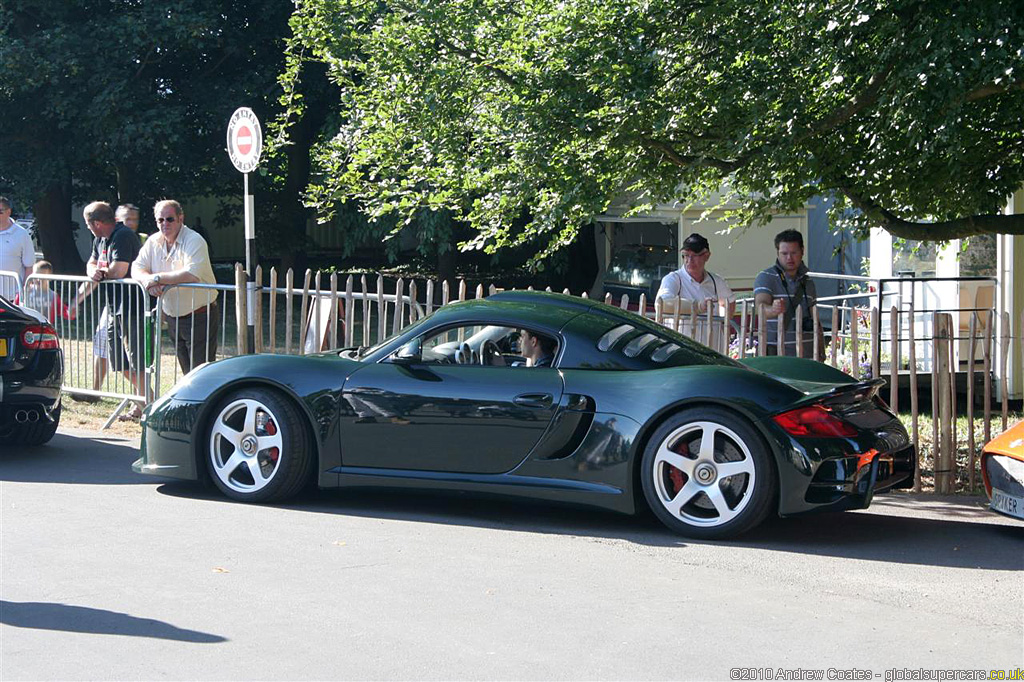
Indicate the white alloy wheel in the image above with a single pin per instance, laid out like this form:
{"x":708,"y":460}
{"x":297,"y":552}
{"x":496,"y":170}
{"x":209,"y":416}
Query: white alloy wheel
{"x":246,"y":445}
{"x":717,"y":474}
{"x":706,"y":473}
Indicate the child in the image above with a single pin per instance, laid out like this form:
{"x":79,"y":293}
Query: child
{"x":38,"y":296}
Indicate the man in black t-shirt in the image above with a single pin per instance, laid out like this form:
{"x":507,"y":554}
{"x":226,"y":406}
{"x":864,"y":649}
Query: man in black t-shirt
{"x":114,"y":247}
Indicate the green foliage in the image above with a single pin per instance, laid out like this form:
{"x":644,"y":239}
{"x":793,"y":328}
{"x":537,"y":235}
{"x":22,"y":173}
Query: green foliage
{"x":131,"y":97}
{"x":493,"y":109}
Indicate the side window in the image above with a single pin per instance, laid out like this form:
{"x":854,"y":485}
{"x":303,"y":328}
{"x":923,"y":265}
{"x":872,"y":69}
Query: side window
{"x":487,"y":345}
{"x":482,"y":345}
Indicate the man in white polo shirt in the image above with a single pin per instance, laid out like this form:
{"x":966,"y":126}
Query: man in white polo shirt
{"x":695,"y":286}
{"x":178,"y":255}
{"x":17,"y":254}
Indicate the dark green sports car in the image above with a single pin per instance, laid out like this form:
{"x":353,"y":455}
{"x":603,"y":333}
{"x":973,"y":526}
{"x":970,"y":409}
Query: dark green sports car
{"x":541,"y":396}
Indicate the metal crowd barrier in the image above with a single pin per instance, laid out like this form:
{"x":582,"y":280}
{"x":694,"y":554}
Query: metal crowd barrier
{"x":10,"y":284}
{"x":189,"y":330}
{"x":105,"y":330}
{"x":127,"y":363}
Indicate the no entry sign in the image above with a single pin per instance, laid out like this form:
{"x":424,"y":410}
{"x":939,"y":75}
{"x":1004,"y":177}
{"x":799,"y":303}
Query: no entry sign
{"x":245,"y":140}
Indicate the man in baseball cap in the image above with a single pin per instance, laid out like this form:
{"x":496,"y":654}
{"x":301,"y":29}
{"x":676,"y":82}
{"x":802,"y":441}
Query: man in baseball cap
{"x":694,"y":286}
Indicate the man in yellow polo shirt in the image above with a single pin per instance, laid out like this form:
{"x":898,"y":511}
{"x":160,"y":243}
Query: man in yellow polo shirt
{"x":177,"y":255}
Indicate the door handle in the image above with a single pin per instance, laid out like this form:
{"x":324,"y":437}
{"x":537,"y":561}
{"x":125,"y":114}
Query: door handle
{"x":538,"y":400}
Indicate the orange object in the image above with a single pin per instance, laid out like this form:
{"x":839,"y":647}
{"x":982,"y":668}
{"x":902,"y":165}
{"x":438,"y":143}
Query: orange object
{"x":1002,"y":470}
{"x":865,"y":459}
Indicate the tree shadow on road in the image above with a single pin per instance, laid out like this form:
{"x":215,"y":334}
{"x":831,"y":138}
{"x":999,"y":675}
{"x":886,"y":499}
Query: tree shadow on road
{"x":956,"y":532}
{"x":72,"y":458}
{"x":49,"y":616}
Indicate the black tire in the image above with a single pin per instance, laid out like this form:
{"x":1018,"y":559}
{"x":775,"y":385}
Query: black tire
{"x":36,"y":433}
{"x":692,"y":494}
{"x":240,"y":441}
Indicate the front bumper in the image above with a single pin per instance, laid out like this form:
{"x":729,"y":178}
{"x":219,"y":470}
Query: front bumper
{"x":1004,"y":482}
{"x":168,"y":439}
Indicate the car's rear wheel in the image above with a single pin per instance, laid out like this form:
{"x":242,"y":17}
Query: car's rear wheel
{"x":706,"y":473}
{"x":258,"y":446}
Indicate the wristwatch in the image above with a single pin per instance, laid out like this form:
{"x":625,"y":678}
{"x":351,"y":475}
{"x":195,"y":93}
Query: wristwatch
{"x":156,"y":279}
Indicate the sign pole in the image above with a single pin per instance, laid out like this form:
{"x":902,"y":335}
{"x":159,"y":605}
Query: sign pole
{"x":251,"y":259}
{"x":245,"y":143}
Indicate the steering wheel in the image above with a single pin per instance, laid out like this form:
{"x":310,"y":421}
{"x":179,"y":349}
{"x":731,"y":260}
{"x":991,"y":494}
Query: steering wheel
{"x":490,"y":354}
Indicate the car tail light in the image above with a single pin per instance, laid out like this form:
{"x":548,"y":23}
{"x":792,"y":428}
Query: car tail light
{"x":816,"y":421}
{"x":39,"y":337}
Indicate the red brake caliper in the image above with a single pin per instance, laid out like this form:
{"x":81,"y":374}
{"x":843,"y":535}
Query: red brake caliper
{"x":271,"y":429}
{"x":677,"y":477}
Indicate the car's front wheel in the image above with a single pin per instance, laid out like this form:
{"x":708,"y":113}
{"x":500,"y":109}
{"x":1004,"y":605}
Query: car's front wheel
{"x":706,"y":473}
{"x":258,"y":447}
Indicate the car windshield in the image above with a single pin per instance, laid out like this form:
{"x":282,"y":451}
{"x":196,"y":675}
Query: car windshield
{"x":363,"y":351}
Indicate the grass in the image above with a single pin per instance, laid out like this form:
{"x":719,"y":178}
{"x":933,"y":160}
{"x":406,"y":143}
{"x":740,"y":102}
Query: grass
{"x":926,"y":447}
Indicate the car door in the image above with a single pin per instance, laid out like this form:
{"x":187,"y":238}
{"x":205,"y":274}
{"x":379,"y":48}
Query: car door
{"x":438,"y":416}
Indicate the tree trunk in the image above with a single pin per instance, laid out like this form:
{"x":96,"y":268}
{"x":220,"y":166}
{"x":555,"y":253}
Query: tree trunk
{"x":318,"y":93}
{"x":446,"y":265}
{"x":125,"y":185}
{"x":583,"y":266}
{"x":53,"y":227}
{"x":298,"y":261}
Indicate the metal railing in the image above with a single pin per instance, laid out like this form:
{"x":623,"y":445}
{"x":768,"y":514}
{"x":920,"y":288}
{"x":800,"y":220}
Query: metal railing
{"x":10,"y":284}
{"x":105,"y":331}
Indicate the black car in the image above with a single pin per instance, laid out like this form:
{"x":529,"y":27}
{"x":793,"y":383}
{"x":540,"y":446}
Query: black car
{"x":31,"y":371}
{"x":628,"y":414}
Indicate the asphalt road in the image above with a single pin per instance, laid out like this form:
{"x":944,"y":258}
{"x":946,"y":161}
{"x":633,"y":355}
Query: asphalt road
{"x":110,"y":575}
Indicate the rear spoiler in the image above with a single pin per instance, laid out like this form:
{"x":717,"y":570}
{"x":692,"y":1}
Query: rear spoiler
{"x":847,"y":394}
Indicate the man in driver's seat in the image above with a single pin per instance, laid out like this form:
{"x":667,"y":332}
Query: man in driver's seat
{"x":539,"y":350}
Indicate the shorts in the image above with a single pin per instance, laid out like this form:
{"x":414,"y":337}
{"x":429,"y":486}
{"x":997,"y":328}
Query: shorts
{"x":125,"y":342}
{"x":99,"y":339}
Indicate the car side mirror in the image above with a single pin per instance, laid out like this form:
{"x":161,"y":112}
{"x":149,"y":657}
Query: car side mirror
{"x":409,"y":354}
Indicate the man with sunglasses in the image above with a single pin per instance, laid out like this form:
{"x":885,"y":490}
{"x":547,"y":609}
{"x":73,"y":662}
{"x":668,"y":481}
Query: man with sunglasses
{"x":177,"y":255}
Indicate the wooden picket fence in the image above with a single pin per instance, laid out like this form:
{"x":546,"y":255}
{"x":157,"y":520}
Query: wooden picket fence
{"x":332,"y":311}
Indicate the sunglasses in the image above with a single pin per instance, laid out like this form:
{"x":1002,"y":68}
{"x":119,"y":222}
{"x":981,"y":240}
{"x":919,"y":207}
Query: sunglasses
{"x":166,"y":220}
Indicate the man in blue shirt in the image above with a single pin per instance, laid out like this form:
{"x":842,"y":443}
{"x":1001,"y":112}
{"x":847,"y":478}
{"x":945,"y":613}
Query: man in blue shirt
{"x":781,"y":288}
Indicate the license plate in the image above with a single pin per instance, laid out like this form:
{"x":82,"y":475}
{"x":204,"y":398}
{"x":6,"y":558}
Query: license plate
{"x":3,"y":348}
{"x":1007,"y":504}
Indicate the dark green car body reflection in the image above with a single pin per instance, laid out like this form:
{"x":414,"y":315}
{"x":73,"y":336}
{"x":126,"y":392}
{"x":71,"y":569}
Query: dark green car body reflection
{"x":630,"y":415}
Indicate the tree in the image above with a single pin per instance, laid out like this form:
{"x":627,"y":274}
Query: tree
{"x":128,"y":101}
{"x":908,"y":110}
